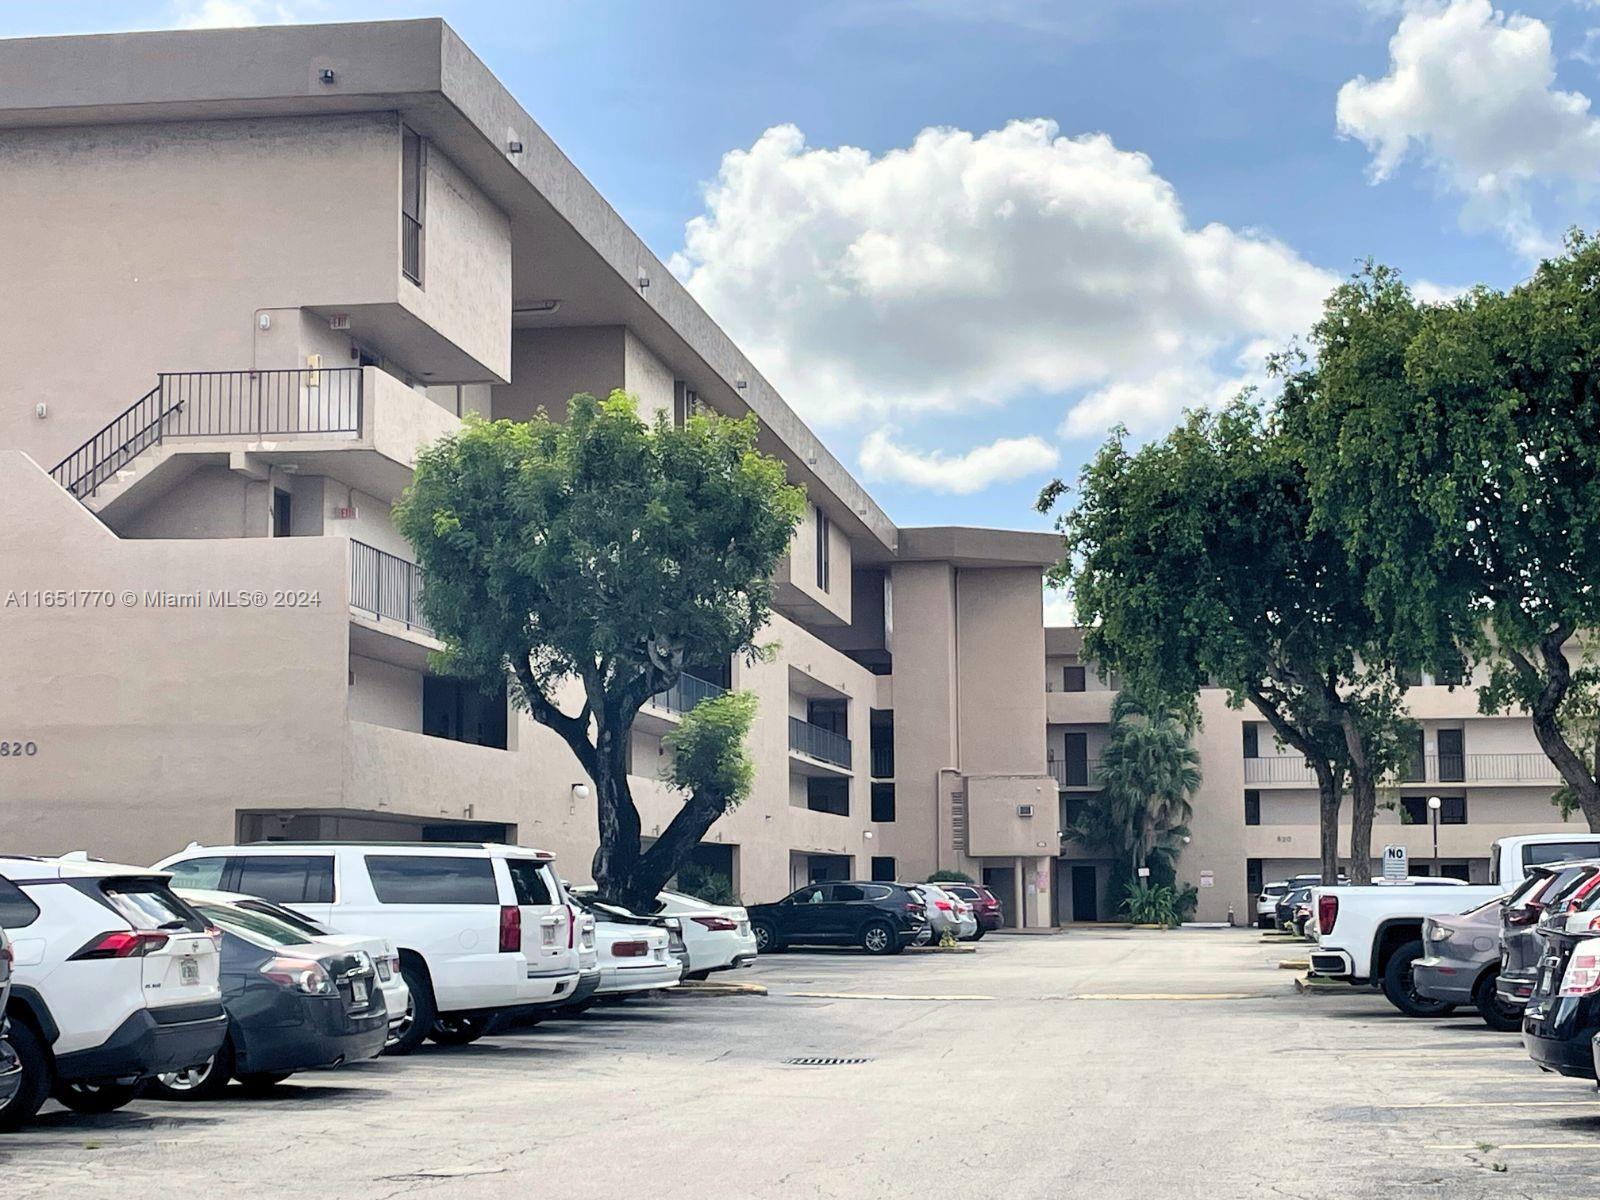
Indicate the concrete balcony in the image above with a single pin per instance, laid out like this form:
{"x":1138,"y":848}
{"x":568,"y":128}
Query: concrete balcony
{"x":1078,"y":708}
{"x":1075,"y":776}
{"x":1532,"y":769}
{"x":386,"y":620}
{"x":665,"y":709}
{"x":814,"y":750}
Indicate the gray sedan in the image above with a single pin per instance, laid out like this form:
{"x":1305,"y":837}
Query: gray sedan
{"x":1461,"y":958}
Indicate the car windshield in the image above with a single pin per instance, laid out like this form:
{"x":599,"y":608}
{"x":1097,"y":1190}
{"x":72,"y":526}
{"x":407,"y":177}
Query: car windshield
{"x":257,"y":928}
{"x":285,"y":915}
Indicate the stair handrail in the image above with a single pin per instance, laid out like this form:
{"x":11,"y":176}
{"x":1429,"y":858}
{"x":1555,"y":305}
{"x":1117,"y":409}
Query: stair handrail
{"x":118,"y":441}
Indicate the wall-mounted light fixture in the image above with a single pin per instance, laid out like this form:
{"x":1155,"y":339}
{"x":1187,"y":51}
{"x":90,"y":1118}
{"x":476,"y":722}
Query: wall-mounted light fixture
{"x":644,"y":280}
{"x":741,"y":383}
{"x":513,"y":147}
{"x":326,"y":75}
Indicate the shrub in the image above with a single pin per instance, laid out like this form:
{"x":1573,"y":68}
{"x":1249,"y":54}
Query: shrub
{"x":951,"y":877}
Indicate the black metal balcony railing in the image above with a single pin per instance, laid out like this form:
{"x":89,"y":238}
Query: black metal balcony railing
{"x":216,"y":404}
{"x":386,"y":586}
{"x":682,"y":696}
{"x":816,"y":742}
{"x":883,"y":762}
{"x":1081,"y":773}
{"x":1526,"y":767}
{"x":411,"y":247}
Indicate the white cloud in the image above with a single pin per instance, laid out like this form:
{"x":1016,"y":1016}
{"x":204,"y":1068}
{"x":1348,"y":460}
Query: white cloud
{"x":1473,"y":91}
{"x":1058,"y":607}
{"x":1000,"y":461}
{"x":231,"y":14}
{"x":971,"y":269}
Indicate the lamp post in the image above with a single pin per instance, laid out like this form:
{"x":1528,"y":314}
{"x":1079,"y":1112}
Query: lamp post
{"x":1434,"y":804}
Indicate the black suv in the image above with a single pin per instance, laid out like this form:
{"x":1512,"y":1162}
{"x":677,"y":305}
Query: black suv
{"x":881,"y":918}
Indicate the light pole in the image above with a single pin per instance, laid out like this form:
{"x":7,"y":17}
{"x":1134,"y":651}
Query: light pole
{"x":1434,"y":804}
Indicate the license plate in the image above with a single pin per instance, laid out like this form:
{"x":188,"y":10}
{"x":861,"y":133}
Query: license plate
{"x":188,"y":972}
{"x":661,"y":954}
{"x":383,"y":971}
{"x":358,"y":990}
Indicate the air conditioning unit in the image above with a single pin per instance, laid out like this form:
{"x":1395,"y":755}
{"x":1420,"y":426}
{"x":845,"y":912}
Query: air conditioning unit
{"x":1024,"y":810}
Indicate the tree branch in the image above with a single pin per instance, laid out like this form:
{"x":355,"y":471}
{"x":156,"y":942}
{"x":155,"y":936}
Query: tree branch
{"x":574,"y":730}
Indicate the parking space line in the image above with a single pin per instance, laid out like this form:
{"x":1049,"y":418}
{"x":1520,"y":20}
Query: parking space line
{"x":1169,"y":996}
{"x":1521,"y":1146}
{"x":873,"y":996}
{"x":1498,"y":1104}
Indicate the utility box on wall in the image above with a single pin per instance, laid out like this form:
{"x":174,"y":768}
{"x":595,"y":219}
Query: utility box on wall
{"x":1012,"y":816}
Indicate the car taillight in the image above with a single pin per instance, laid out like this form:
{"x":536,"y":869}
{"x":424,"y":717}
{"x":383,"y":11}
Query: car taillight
{"x":572,"y":927}
{"x":301,"y":974}
{"x":126,"y":943}
{"x":510,"y":929}
{"x":914,"y":907}
{"x":1582,"y":977}
{"x":629,"y":949}
{"x":942,"y":905}
{"x":1327,"y":912}
{"x":720,"y":924}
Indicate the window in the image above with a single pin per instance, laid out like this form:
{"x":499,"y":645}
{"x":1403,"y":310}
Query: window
{"x":1452,"y":756}
{"x":883,"y":802}
{"x":1072,"y":679}
{"x":883,"y":868}
{"x":413,"y":194}
{"x":1537,"y":855}
{"x":258,"y":928}
{"x":419,"y":879}
{"x":810,"y":895}
{"x":828,"y":795}
{"x":199,"y":874}
{"x":150,"y":904}
{"x":528,"y":878}
{"x":1252,"y":807}
{"x":16,"y":910}
{"x":282,"y":513}
{"x":1416,"y":769}
{"x":462,"y":712}
{"x":288,"y":878}
{"x":1252,"y":876}
{"x":1252,"y":740}
{"x":1076,"y":766}
{"x":845,"y":892}
{"x":1452,"y":810}
{"x":824,"y":567}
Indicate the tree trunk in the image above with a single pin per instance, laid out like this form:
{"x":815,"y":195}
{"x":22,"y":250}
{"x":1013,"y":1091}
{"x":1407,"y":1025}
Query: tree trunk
{"x":668,"y":852}
{"x":616,"y":858}
{"x":1363,"y":797}
{"x":1552,"y":689}
{"x":1330,"y":785}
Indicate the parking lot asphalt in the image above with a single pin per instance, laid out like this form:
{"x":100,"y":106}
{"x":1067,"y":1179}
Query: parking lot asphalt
{"x":1099,"y":1062}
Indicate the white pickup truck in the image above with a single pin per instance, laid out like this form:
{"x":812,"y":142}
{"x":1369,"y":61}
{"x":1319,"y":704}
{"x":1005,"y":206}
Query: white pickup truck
{"x":1370,"y":934}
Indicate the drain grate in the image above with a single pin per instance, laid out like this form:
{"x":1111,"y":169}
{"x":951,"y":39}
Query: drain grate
{"x":824,"y":1062}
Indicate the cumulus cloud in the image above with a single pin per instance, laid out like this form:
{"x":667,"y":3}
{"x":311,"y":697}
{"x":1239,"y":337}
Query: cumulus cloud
{"x":1058,"y":607}
{"x":1000,"y":461}
{"x":1472,"y":91}
{"x":231,"y":14}
{"x":972,"y":269}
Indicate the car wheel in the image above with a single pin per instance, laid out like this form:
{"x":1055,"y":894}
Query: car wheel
{"x":766,"y":937}
{"x":93,"y":1098}
{"x":262,"y":1082}
{"x":34,"y":1088}
{"x":1400,"y":987}
{"x":408,"y":1033}
{"x":204,"y":1082}
{"x":1496,"y":1013}
{"x":458,"y":1029}
{"x":698,"y":976}
{"x":879,"y":938}
{"x":1263,"y":922}
{"x":976,"y":936}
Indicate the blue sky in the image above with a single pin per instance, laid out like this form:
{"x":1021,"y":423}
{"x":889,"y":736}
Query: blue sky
{"x":1122,"y":203}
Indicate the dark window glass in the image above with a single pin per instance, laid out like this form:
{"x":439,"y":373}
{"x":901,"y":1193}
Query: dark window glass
{"x":824,"y":566}
{"x":418,"y":879}
{"x":1452,"y":756}
{"x":810,"y":895}
{"x":847,"y":891}
{"x":1252,"y":875}
{"x":16,"y":910}
{"x":1416,"y":769}
{"x":1453,"y":810}
{"x":883,"y":802}
{"x":1533,"y":856}
{"x":1458,"y":871}
{"x":1252,"y":740}
{"x":1076,"y":766}
{"x":528,"y":879}
{"x":287,"y":878}
{"x":1252,"y":807}
{"x":1072,"y":679}
{"x":1415,"y":809}
{"x":882,"y":868}
{"x":199,"y":874}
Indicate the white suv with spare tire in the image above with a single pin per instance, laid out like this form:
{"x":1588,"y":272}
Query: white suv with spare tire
{"x":481,"y":928}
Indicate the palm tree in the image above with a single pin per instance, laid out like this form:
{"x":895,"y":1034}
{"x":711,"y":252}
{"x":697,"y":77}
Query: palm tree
{"x":1149,"y":774}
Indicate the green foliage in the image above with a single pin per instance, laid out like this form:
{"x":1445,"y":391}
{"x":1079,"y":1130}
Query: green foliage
{"x":708,"y":749}
{"x":705,"y":884}
{"x":606,"y":552}
{"x":1185,"y":900}
{"x":1151,"y":904}
{"x":1149,"y":773}
{"x":950,"y":877}
{"x":947,"y":940}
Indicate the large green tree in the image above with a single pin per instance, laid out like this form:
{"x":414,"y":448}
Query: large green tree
{"x":584,"y":562}
{"x":1191,"y":561}
{"x":1455,"y":449}
{"x":1149,"y":773}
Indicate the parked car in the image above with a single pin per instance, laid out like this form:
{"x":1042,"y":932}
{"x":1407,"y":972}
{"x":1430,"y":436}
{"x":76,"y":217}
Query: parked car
{"x":986,"y":906}
{"x":482,"y":928}
{"x":10,"y":1067}
{"x":1271,"y":894}
{"x":1521,"y":947}
{"x":1284,"y":914}
{"x":947,"y":913}
{"x":635,"y":951}
{"x":293,"y":1004}
{"x":1461,"y":960}
{"x":385,"y":957}
{"x":1563,"y":1014}
{"x":717,"y":937}
{"x":114,"y":980}
{"x":881,"y":918}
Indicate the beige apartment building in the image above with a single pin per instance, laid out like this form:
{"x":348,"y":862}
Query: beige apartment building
{"x":1255,"y":816}
{"x":248,"y":274}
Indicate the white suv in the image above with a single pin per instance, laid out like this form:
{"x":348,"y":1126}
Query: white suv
{"x":481,"y":928}
{"x":114,"y":979}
